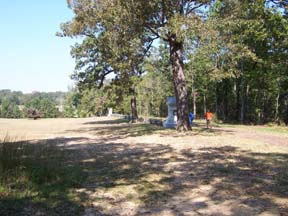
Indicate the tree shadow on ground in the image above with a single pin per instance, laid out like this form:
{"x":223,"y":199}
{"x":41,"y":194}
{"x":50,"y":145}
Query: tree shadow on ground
{"x":113,"y":121}
{"x":121,"y":130}
{"x":232,"y":178}
{"x":212,"y":131}
{"x":38,"y":178}
{"x":161,"y":180}
{"x":157,"y":179}
{"x":124,"y":130}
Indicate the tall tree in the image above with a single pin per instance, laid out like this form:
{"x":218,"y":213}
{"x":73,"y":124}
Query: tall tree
{"x":129,"y":27}
{"x":254,"y":42}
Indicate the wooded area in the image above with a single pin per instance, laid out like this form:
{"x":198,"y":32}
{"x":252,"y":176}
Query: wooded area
{"x":16,"y":104}
{"x":226,"y":56}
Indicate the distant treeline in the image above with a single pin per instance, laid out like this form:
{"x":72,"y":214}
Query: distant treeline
{"x":16,"y":104}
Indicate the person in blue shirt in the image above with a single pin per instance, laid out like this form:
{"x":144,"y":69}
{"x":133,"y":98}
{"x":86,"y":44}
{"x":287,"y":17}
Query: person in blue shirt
{"x":191,"y":118}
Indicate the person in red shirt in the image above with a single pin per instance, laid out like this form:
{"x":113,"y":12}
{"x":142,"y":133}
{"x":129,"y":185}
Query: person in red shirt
{"x":208,"y":117}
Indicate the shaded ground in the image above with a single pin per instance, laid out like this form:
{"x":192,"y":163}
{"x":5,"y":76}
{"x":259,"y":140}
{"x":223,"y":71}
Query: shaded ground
{"x":147,"y":170}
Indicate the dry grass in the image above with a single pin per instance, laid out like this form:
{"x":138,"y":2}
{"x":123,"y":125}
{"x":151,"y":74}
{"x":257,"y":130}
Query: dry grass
{"x":35,"y":179}
{"x":147,"y":170}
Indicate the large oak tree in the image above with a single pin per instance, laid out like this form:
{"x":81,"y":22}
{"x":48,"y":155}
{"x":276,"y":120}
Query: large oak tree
{"x":126,"y":29}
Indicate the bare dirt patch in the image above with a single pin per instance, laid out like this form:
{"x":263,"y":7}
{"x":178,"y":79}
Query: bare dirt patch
{"x":143,"y":169}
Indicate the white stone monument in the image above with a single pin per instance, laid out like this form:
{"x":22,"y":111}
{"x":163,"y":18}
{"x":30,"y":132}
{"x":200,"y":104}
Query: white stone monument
{"x":110,"y":112}
{"x":171,"y":121}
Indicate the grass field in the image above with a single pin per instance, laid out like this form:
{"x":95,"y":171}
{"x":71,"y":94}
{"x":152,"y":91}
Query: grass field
{"x":105,"y":166}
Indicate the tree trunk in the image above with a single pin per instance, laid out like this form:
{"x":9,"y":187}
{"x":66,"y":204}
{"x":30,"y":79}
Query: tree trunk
{"x":134,"y":109}
{"x":286,"y":120}
{"x":194,"y":104}
{"x":264,"y":107}
{"x":176,"y":56}
{"x":237,"y":104}
{"x":242,"y":101}
{"x":194,"y":95}
{"x":204,"y":104}
{"x":276,"y":117}
{"x":140,"y":108}
{"x":216,"y":101}
{"x":225,"y":99}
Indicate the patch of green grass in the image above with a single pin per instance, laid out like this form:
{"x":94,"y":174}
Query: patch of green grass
{"x":145,"y":187}
{"x":34,"y":177}
{"x":224,"y":169}
{"x":282,"y":180}
{"x":274,"y":129}
{"x":270,"y":128}
{"x":257,"y":180}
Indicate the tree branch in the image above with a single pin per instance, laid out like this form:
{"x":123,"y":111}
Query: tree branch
{"x":155,"y":32}
{"x":193,"y":8}
{"x":103,"y":77}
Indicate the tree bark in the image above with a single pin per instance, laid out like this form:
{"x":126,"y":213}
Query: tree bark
{"x":242,"y":100}
{"x":204,"y":104}
{"x":194,"y":104}
{"x":176,"y":56}
{"x":286,"y":120}
{"x":225,"y":100}
{"x":276,"y":116}
{"x":194,"y":97}
{"x":134,"y":109}
{"x":236,"y":115}
{"x":216,"y":101}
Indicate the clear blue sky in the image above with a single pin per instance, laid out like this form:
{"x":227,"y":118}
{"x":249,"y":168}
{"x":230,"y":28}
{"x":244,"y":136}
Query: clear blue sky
{"x":32,"y":58}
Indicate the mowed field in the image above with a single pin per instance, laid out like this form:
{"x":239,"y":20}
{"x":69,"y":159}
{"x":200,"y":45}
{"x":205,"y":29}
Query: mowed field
{"x":142,"y":169}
